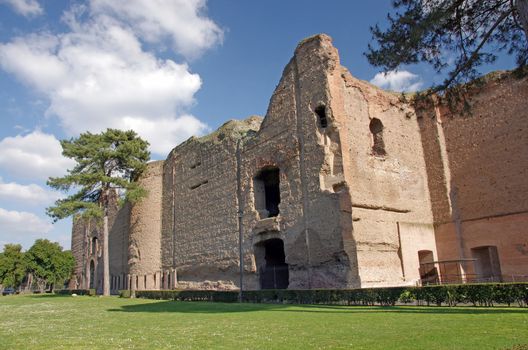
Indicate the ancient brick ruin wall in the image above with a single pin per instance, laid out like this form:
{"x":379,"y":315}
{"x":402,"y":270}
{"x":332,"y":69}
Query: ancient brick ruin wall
{"x":478,"y":165}
{"x":119,"y":227}
{"x":144,"y":243}
{"x":202,"y":222}
{"x":292,"y":139}
{"x":350,"y":215}
{"x":83,"y":233}
{"x":78,"y":249}
{"x":167,"y":213}
{"x":200,"y":228}
{"x":87,"y":250}
{"x":388,"y":183}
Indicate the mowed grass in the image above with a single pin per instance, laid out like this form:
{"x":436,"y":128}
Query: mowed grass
{"x":65,"y":322}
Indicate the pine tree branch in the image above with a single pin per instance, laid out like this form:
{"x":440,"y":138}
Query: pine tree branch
{"x":474,"y":54}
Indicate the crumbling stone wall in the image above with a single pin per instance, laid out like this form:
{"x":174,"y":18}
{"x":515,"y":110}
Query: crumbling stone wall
{"x":201,"y":221}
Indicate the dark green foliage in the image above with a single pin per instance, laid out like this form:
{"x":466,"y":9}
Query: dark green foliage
{"x":90,"y":292}
{"x":456,"y":36}
{"x":187,"y":295}
{"x":451,"y":295}
{"x":125,"y":293}
{"x":112,"y":160}
{"x":12,"y":266}
{"x":49,"y":264}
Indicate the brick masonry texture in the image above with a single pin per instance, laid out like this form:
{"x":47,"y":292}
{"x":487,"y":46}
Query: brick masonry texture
{"x":366,"y":181}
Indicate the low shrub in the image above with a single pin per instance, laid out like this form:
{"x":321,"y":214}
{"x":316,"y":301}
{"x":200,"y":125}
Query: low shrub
{"x":451,"y":295}
{"x":90,"y":292}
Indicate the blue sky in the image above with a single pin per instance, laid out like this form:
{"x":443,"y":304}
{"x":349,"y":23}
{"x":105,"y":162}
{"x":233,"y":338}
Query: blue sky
{"x":169,"y":69}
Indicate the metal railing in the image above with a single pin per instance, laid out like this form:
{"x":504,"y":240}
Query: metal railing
{"x":274,"y":277}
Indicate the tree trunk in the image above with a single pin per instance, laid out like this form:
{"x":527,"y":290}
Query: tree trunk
{"x":106,"y":260}
{"x":521,"y":6}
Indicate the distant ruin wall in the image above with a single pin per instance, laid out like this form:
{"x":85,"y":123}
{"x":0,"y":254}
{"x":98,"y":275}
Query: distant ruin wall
{"x":144,"y":249}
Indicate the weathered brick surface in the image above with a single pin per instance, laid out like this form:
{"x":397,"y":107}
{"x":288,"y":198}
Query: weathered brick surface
{"x":366,"y":182}
{"x":479,"y":161}
{"x":144,"y":244}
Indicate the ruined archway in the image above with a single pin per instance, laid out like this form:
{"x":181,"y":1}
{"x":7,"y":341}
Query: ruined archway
{"x":271,"y":259}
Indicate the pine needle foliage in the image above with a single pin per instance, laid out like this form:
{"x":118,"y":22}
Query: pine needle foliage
{"x":453,"y":36}
{"x":111,"y":160}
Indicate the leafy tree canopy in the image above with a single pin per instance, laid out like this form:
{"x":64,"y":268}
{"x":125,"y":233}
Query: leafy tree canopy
{"x":48,"y":263}
{"x":471,"y":32}
{"x":111,"y":160}
{"x":12,"y":266}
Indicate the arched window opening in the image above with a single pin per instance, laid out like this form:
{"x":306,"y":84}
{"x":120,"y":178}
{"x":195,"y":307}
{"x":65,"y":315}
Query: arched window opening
{"x":169,"y":281}
{"x":487,"y":264}
{"x":137,"y":282}
{"x":94,"y":245}
{"x":321,"y":114}
{"x":273,"y":271}
{"x":155,"y":283}
{"x":378,"y":145}
{"x":145,"y":282}
{"x":267,"y":192}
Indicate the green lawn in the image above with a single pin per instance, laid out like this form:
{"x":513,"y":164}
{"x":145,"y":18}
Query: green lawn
{"x":65,"y":322}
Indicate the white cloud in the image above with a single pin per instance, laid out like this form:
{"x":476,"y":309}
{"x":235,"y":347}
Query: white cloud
{"x":21,"y":222}
{"x":34,"y":156}
{"x":183,"y":21}
{"x":398,"y":81}
{"x":29,"y":194}
{"x":27,"y":8}
{"x":98,"y":76}
{"x":165,"y":133}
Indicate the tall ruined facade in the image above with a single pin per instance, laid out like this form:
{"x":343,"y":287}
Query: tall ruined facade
{"x":341,"y":185}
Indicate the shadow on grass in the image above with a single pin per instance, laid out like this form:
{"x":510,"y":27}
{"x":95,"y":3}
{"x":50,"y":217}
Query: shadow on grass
{"x":212,"y":308}
{"x":45,"y":295}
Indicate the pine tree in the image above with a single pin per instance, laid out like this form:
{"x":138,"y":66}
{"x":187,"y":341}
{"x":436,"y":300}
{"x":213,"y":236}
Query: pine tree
{"x":110,"y":161}
{"x":471,"y":32}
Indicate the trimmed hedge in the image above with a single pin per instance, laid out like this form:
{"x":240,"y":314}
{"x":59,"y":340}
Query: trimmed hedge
{"x":451,"y":295}
{"x":189,"y":295}
{"x":90,"y":292}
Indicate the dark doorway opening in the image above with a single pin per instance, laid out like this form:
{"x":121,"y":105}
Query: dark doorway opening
{"x":428,"y":271}
{"x":487,"y":264}
{"x":267,"y":192}
{"x":92,"y":275}
{"x":274,"y":272}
